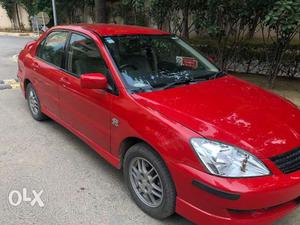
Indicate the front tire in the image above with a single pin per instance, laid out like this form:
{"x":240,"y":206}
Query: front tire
{"x":34,"y":103}
{"x":149,"y":181}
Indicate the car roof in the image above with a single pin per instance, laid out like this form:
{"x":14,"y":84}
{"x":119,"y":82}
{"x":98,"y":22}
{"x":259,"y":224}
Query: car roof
{"x":115,"y":29}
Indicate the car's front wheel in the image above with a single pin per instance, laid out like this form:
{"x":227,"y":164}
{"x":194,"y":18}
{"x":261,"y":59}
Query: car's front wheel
{"x":34,"y":103}
{"x":149,"y":181}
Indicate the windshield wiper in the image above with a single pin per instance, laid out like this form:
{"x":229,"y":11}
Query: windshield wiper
{"x":175,"y":83}
{"x":180,"y":82}
{"x":210,"y":76}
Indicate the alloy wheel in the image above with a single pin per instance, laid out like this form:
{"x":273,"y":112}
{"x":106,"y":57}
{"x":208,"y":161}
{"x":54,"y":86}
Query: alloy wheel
{"x":33,"y":102}
{"x":146,"y":182}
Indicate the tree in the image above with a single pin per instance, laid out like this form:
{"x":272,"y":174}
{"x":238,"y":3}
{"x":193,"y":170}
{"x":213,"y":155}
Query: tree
{"x":12,"y":10}
{"x":101,"y":11}
{"x":8,"y":5}
{"x":135,"y":11}
{"x":257,"y":10}
{"x":186,"y":8}
{"x":20,"y":25}
{"x":161,"y":11}
{"x":183,"y":17}
{"x":227,"y":23}
{"x":284,"y":20}
{"x":68,"y":12}
{"x":28,"y":6}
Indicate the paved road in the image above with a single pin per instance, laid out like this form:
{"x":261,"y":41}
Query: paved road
{"x":65,"y":181}
{"x":9,"y":48}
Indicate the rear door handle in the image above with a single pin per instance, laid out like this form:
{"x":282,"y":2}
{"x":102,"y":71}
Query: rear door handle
{"x":35,"y":66}
{"x":65,"y":81}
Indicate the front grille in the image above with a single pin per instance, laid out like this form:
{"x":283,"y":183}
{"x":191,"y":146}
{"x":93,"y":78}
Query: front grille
{"x":288,"y":162}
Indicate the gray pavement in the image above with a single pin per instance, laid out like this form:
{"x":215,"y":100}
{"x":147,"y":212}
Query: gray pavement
{"x":76,"y":186}
{"x":9,"y":48}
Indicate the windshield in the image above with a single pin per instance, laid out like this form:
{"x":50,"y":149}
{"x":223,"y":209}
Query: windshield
{"x":148,"y":62}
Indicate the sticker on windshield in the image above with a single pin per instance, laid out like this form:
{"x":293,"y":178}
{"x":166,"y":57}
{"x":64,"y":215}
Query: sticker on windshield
{"x":187,"y":61}
{"x":109,"y":40}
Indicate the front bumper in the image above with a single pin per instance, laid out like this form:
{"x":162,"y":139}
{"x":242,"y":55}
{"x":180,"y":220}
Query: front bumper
{"x":242,"y":201}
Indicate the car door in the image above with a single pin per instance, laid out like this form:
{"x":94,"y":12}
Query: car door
{"x":46,"y":68}
{"x":85,"y":110}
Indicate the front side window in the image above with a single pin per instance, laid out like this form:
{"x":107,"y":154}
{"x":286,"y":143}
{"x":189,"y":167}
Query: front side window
{"x":148,"y":62}
{"x":52,"y":49}
{"x":84,"y":57}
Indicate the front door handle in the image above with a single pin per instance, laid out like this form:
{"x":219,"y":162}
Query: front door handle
{"x":65,"y":81}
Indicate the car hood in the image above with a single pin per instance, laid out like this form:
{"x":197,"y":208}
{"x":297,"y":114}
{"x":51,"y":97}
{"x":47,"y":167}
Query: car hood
{"x":232,"y":111}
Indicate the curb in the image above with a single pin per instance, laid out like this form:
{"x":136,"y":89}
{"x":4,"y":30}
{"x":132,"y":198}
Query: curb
{"x":12,"y":34}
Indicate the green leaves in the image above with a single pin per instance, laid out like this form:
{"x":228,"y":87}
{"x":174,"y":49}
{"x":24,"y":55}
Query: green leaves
{"x":284,"y":19}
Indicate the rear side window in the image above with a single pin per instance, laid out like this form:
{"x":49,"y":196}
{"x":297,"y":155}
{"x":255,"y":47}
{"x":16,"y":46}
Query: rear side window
{"x":84,"y":57}
{"x":52,"y":49}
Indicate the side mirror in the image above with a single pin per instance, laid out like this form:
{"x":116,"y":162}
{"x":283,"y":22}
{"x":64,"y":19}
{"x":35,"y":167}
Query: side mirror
{"x":93,"y":81}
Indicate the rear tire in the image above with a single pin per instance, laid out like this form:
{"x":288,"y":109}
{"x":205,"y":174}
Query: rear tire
{"x":34,"y":104}
{"x":145,"y":173}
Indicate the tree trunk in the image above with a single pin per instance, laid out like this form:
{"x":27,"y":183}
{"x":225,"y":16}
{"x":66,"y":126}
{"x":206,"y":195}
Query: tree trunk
{"x":276,"y":65}
{"x":253,"y":27}
{"x":185,"y":18}
{"x":100,"y":11}
{"x":18,"y":17}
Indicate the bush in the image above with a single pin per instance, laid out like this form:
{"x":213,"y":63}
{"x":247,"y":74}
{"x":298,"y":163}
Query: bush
{"x":253,"y":56}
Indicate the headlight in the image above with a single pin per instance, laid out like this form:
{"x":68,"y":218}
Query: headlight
{"x":228,"y":161}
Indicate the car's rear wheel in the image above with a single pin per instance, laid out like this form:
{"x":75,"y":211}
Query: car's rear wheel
{"x":34,"y":103}
{"x":149,"y":181}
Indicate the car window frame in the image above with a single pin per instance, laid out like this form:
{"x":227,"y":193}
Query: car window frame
{"x":114,"y":89}
{"x":42,"y":44}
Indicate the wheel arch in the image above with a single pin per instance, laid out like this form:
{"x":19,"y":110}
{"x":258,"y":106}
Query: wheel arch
{"x":126,"y":144}
{"x":26,"y":82}
{"x":129,"y":142}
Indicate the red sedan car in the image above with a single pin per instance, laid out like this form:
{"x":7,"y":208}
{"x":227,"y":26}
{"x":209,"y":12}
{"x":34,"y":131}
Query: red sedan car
{"x":189,"y":138}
